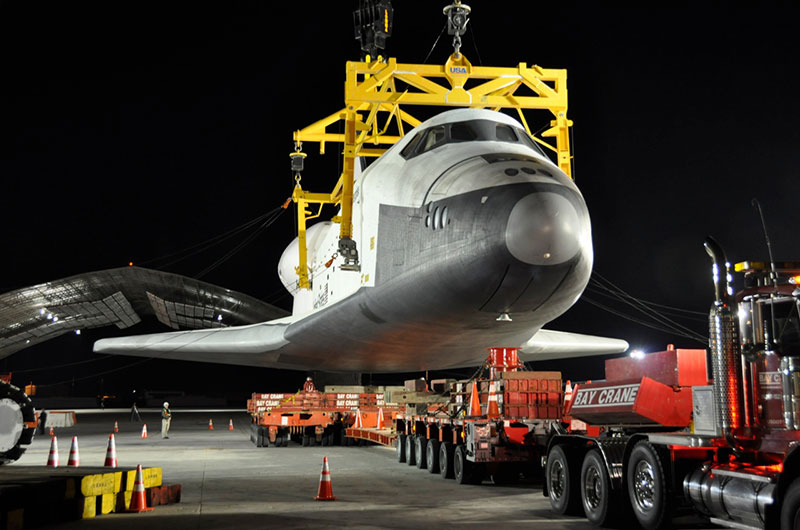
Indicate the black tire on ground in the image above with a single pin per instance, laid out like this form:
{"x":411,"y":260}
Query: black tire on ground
{"x":464,"y":471}
{"x":278,"y":442}
{"x":420,"y":447}
{"x":16,"y":410}
{"x":411,"y":459}
{"x":790,"y":508}
{"x":432,"y":456}
{"x":597,"y":497}
{"x":285,"y":440}
{"x":446,"y":451}
{"x":648,"y":488}
{"x":401,"y":448}
{"x":506,"y":473}
{"x":563,"y":478}
{"x":305,"y":441}
{"x":326,"y":440}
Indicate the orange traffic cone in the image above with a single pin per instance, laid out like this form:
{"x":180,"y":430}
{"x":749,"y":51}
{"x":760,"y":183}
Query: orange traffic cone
{"x":567,"y":393}
{"x":111,"y":452}
{"x":138,"y":501}
{"x":325,"y":492}
{"x":230,"y":424}
{"x":210,"y":425}
{"x":52,"y":459}
{"x":116,"y":426}
{"x":379,"y":424}
{"x":492,"y":410}
{"x":52,"y":431}
{"x":358,"y":424}
{"x":144,"y":430}
{"x":475,"y":401}
{"x":74,"y":456}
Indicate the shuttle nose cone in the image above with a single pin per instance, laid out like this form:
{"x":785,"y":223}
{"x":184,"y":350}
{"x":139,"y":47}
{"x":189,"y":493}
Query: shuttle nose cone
{"x":544,"y":228}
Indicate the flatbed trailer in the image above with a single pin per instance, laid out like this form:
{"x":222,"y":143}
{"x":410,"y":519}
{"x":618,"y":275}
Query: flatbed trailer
{"x":310,"y":417}
{"x":495,"y":427}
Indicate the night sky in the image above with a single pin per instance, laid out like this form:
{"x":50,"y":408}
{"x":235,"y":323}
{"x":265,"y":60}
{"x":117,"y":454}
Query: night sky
{"x":129,"y":133}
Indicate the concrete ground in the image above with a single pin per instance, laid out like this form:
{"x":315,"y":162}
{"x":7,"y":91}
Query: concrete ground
{"x":229,"y":483}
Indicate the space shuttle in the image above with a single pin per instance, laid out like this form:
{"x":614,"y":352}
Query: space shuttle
{"x":469,"y":238}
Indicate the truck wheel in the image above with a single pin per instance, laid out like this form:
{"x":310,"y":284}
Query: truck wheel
{"x":305,"y":441}
{"x":432,"y":456}
{"x":464,"y":471}
{"x":411,"y":459}
{"x":401,"y":448}
{"x":16,"y":410}
{"x":595,"y":489}
{"x":420,"y":447}
{"x":446,"y":450}
{"x":562,"y":481}
{"x":790,"y":509}
{"x":647,"y":487}
{"x":285,"y":441}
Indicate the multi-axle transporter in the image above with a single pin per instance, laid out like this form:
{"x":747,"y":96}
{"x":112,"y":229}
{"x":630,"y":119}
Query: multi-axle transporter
{"x":670,"y":442}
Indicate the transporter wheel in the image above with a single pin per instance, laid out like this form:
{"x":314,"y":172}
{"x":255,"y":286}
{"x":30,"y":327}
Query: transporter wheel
{"x":16,"y":410}
{"x":432,"y":456}
{"x":595,"y":489}
{"x":420,"y":448}
{"x":562,"y":478}
{"x":446,"y":451}
{"x":401,"y":448}
{"x":411,"y":459}
{"x":464,"y":471}
{"x":285,"y":441}
{"x":306,"y":442}
{"x":790,"y":509}
{"x":647,"y":487}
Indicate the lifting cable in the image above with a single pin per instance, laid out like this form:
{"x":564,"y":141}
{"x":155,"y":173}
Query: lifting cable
{"x":208,"y":243}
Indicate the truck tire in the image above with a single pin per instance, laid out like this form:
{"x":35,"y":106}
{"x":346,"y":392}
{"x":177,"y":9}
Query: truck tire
{"x":401,"y":448}
{"x":411,"y":459}
{"x":790,"y":508}
{"x":432,"y":456}
{"x":596,"y":494}
{"x":420,"y":448}
{"x":647,"y":487}
{"x":464,"y":471}
{"x":562,"y":476}
{"x":16,"y":410}
{"x":446,"y":451}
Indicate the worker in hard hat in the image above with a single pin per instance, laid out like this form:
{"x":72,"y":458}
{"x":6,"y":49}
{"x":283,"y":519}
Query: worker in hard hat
{"x":309,"y":385}
{"x":166,"y":418}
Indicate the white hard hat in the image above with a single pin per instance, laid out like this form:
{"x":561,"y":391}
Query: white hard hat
{"x":166,"y":404}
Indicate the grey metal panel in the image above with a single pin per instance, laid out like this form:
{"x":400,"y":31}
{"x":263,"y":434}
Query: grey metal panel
{"x":118,"y":297}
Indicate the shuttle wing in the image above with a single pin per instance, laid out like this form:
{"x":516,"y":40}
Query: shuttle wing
{"x":548,"y":344}
{"x":253,"y":345}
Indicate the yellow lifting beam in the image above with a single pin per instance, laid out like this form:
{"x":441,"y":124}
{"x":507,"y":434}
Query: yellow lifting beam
{"x":372,"y":106}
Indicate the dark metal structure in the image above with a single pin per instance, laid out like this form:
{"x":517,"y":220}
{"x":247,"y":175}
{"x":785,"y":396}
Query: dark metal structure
{"x":121,"y":297}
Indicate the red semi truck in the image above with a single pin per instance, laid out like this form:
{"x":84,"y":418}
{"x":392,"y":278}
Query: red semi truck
{"x":665,"y":440}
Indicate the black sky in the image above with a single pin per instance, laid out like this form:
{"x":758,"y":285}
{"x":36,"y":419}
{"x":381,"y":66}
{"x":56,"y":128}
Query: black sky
{"x":134,"y":131}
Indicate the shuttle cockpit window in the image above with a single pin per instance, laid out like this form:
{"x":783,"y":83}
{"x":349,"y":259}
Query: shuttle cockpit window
{"x":436,"y":136}
{"x":466,"y":131}
{"x":505,"y":133}
{"x":463,"y":132}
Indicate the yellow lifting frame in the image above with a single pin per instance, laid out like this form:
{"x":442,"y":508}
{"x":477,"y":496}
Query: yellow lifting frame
{"x":371,"y":93}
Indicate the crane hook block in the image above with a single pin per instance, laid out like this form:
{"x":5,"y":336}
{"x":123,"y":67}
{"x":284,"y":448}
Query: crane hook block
{"x":297,"y":161}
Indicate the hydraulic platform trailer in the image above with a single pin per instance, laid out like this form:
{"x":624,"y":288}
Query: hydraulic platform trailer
{"x":492,"y":427}
{"x":663,"y":441}
{"x":311,"y":417}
